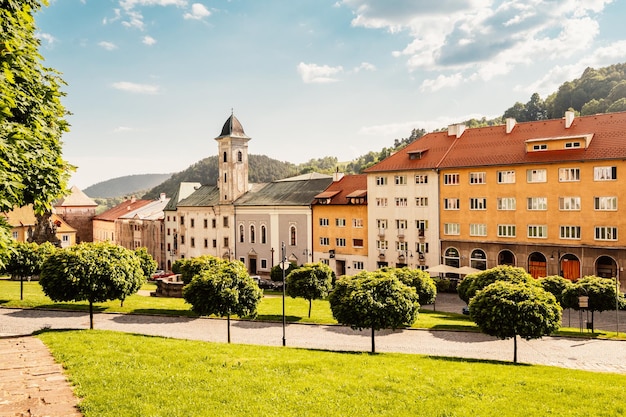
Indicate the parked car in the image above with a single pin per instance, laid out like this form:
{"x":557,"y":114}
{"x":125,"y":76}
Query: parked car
{"x":266,"y":284}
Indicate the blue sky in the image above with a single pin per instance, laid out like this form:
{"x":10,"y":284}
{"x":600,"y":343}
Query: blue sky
{"x":151,"y":82}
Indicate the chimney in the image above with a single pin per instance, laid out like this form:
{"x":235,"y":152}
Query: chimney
{"x":510,"y":124}
{"x":456,"y":130}
{"x":133,"y":199}
{"x":162,"y":197}
{"x":569,"y":118}
{"x":337,"y":175}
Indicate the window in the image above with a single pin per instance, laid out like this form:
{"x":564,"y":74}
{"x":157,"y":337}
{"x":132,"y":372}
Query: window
{"x":358,"y":265}
{"x":239,"y":157}
{"x":357,"y":223}
{"x":64,"y":238}
{"x":192,"y":223}
{"x":324,"y":221}
{"x":540,"y":147}
{"x":401,"y":224}
{"x":192,"y":242}
{"x":506,"y":230}
{"x":569,"y":232}
{"x":421,"y":247}
{"x":569,"y":203}
{"x":421,"y":201}
{"x":182,"y":239}
{"x":292,"y":235}
{"x":569,"y":174}
{"x":399,"y":179}
{"x":225,"y":221}
{"x":572,"y":144}
{"x":478,"y":229}
{"x":381,"y":223}
{"x":451,"y":228}
{"x":225,"y":159}
{"x":263,"y":263}
{"x":340,"y":242}
{"x":606,"y":233}
{"x":357,"y":243}
{"x":182,"y":220}
{"x":507,"y":203}
{"x":214,"y":243}
{"x":604,"y":173}
{"x":340,"y":222}
{"x":421,"y":179}
{"x":381,"y":180}
{"x":605,"y":203}
{"x":213,"y":223}
{"x":451,"y":179}
{"x":537,"y":231}
{"x":241,"y":235}
{"x":478,"y":203}
{"x":506,"y":177}
{"x":263,"y":234}
{"x":252,"y":234}
{"x":477,"y":177}
{"x":451,"y":204}
{"x":537,"y":203}
{"x":206,"y":223}
{"x":381,"y":202}
{"x":382,"y":245}
{"x":401,"y":202}
{"x":402,"y":246}
{"x":324,"y":241}
{"x":536,"y":175}
{"x":168,"y":231}
{"x":206,"y":243}
{"x":226,"y":242}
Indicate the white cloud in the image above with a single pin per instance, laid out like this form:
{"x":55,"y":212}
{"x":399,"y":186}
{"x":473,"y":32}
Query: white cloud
{"x":46,"y":37}
{"x":136,"y":88}
{"x":148,"y":40}
{"x":365,"y":66}
{"x":313,"y":73}
{"x":441,"y":81}
{"x":403,"y":129}
{"x":129,"y":4}
{"x":123,"y":129}
{"x":109,"y":46}
{"x":132,"y":18}
{"x":198,"y":12}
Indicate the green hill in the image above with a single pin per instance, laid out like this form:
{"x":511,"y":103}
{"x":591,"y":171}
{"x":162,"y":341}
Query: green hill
{"x":123,"y":186}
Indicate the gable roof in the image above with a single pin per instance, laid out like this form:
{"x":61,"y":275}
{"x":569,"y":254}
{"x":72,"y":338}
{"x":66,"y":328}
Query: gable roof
{"x":122,"y":209}
{"x":349,"y":186}
{"x":185,"y":189}
{"x":151,"y":211}
{"x":289,"y":192}
{"x":76,"y":198}
{"x":25,"y":217}
{"x":206,"y":195}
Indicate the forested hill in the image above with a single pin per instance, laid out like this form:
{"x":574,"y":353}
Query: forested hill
{"x":123,"y":186}
{"x":261,"y":169}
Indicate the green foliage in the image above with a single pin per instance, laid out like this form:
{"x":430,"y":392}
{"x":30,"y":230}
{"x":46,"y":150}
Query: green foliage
{"x":311,"y":282}
{"x":223,"y":290}
{"x":532,"y":111}
{"x":374,"y":300}
{"x":95,"y":272}
{"x":276,"y":273}
{"x":420,"y":280}
{"x":31,"y":117}
{"x":125,"y":186}
{"x":472,"y":283}
{"x":601,"y":293}
{"x":507,"y":309}
{"x":24,"y":260}
{"x":188,"y":268}
{"x":556,"y":285}
{"x":148,"y":264}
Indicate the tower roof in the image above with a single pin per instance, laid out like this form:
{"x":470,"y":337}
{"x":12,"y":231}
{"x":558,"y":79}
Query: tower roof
{"x":233,"y":128}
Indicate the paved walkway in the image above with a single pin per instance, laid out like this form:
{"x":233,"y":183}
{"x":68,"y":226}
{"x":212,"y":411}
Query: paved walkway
{"x":32,"y":384}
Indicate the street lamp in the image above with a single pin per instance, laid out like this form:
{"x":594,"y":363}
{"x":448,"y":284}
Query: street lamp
{"x":283,"y":266}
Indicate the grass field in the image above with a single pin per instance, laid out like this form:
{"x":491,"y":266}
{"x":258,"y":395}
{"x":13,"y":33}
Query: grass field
{"x":119,"y":374}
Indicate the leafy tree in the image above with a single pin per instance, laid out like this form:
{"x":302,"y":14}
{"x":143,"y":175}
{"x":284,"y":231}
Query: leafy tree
{"x":223,"y":290}
{"x":276,"y":273}
{"x":26,"y":260}
{"x":95,"y":272}
{"x":190,"y":267}
{"x":148,"y":264}
{"x":508,"y":309}
{"x":31,"y":117}
{"x":311,"y":282}
{"x":602,"y":294}
{"x":556,"y":285}
{"x":472,"y":283}
{"x":420,"y":280}
{"x":373,"y":300}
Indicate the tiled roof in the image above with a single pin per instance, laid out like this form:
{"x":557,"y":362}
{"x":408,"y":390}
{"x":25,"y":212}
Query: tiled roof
{"x":122,"y":209}
{"x":77,"y":198}
{"x":206,"y":195}
{"x":21,"y":216}
{"x":185,"y":189}
{"x":285,"y":193}
{"x":152,"y":211}
{"x":349,"y":185}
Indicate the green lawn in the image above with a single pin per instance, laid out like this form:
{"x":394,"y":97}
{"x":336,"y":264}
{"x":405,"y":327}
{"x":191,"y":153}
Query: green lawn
{"x":119,"y":374}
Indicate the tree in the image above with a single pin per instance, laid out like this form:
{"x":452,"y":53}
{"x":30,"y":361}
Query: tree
{"x":556,"y":285}
{"x":32,"y":170}
{"x":223,"y":290}
{"x":472,"y":283}
{"x":276,"y":273}
{"x":95,"y":272}
{"x":26,"y":260}
{"x":373,"y":300}
{"x":311,"y":282}
{"x":420,"y":280}
{"x":148,"y":264}
{"x":507,"y":309}
{"x":190,"y":267}
{"x":602,"y":293}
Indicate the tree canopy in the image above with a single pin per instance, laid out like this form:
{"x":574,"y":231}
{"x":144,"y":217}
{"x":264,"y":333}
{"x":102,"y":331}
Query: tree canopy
{"x":472,"y":283}
{"x":311,"y":282}
{"x":420,"y":280}
{"x":602,"y":293}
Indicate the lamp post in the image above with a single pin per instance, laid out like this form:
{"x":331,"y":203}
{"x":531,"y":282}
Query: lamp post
{"x":283,"y":266}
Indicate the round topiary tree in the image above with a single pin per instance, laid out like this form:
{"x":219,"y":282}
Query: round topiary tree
{"x":276,"y":273}
{"x":311,"y":282}
{"x":374,"y":300}
{"x":556,"y":285}
{"x":507,"y":310}
{"x":472,"y":283}
{"x":602,"y":293}
{"x":418,"y":279}
{"x":26,"y":260}
{"x":148,"y":264}
{"x":190,"y":267}
{"x":95,"y":272}
{"x":223,"y":290}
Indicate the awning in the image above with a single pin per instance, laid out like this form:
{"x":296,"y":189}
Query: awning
{"x":443,"y":269}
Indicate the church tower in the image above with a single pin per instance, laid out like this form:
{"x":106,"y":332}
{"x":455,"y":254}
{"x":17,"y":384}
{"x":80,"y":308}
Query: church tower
{"x":232,"y":161}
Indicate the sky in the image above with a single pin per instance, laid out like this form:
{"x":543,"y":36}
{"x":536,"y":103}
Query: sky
{"x":150,"y":83}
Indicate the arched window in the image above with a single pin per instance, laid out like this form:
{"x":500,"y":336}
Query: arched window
{"x":239,"y":156}
{"x":225,"y":157}
{"x":451,"y":257}
{"x":478,"y":259}
{"x":292,"y":236}
{"x":241,"y":239}
{"x":263,"y":234}
{"x":224,"y":178}
{"x":252,"y":234}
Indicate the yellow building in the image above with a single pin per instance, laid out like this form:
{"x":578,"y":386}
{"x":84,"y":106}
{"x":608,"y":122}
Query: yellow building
{"x":340,"y":225}
{"x":22,"y":221}
{"x":540,"y":195}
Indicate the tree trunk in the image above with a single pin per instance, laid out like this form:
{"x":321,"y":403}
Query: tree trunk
{"x":228,"y":326}
{"x":21,"y":287}
{"x":515,"y":349}
{"x":310,"y":302}
{"x":373,"y":343}
{"x":90,"y":314}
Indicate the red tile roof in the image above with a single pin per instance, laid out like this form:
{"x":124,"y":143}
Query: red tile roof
{"x":339,"y":191}
{"x":121,"y":209}
{"x":493,"y":146}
